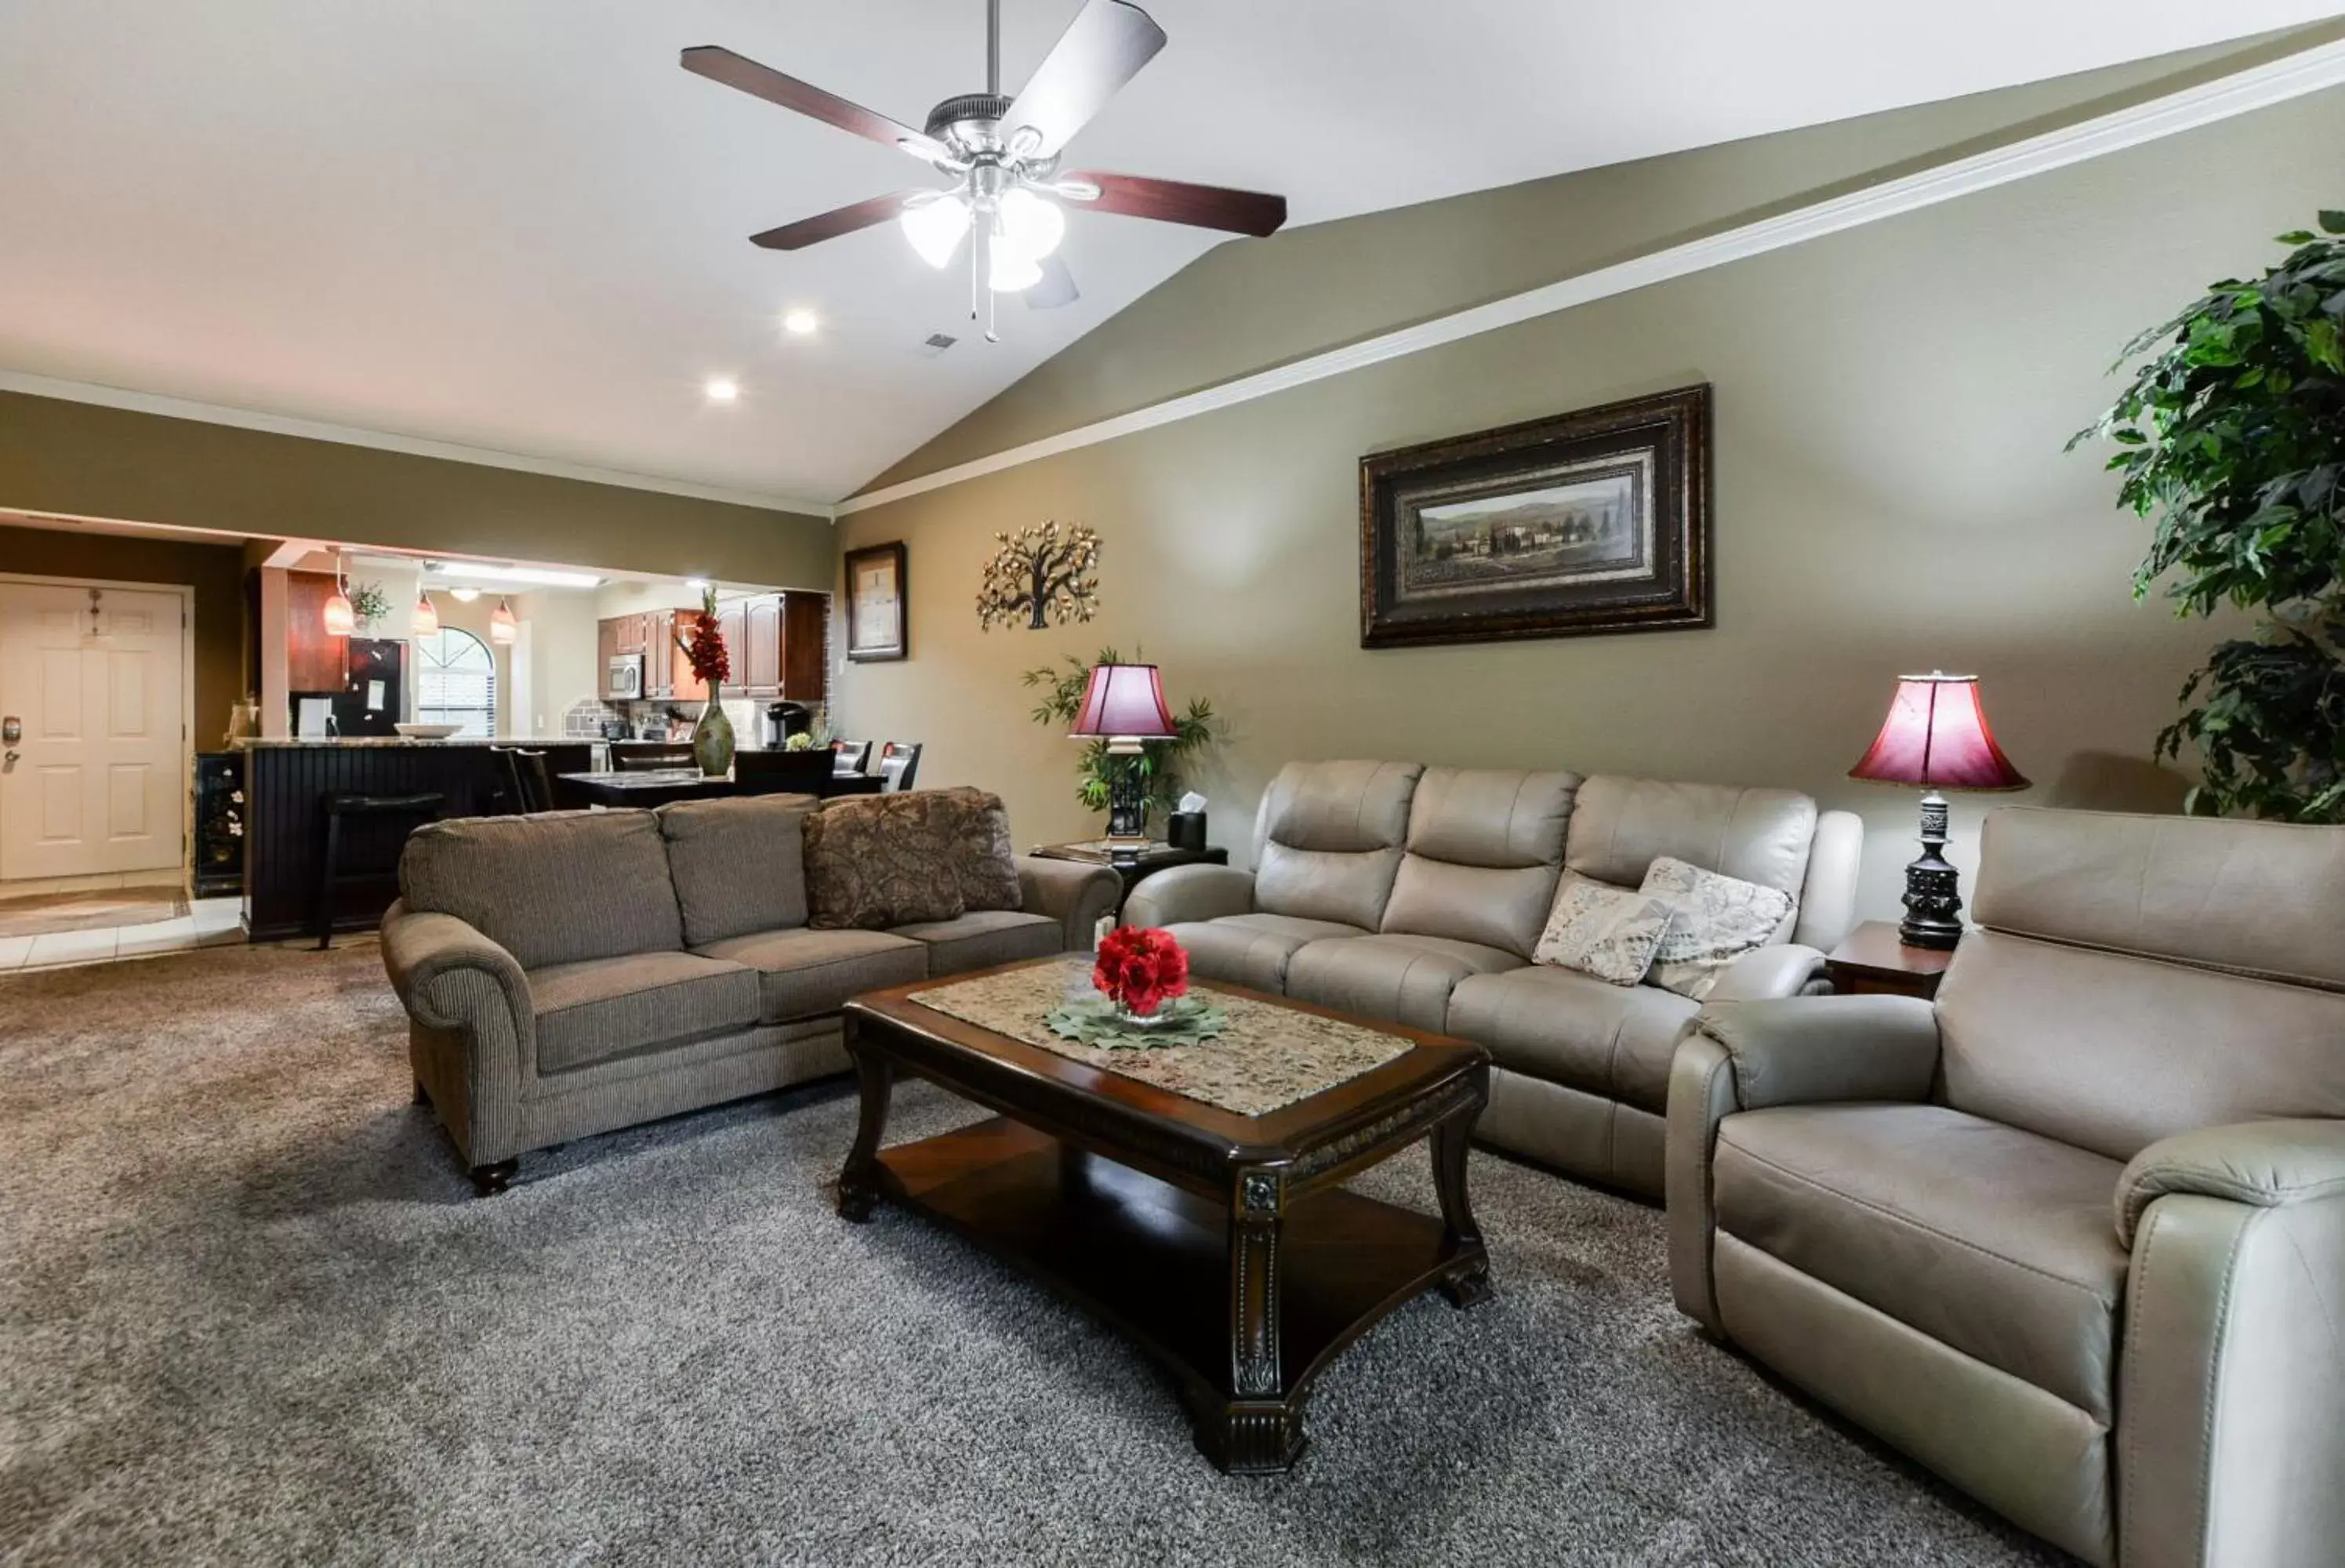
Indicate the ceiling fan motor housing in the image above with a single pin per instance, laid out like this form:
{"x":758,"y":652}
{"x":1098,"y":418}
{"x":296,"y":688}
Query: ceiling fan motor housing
{"x":969,"y":121}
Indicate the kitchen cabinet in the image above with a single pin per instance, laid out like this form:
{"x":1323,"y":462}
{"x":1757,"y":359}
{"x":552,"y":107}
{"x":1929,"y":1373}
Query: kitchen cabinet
{"x":314,"y":661}
{"x":780,"y":650}
{"x":606,"y":648}
{"x":761,"y":645}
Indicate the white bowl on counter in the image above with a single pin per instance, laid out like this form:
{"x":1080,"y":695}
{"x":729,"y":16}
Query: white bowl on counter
{"x":427,"y":731}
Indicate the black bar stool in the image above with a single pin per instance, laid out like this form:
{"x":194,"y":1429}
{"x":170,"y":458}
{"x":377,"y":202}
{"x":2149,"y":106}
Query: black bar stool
{"x":412,"y":811}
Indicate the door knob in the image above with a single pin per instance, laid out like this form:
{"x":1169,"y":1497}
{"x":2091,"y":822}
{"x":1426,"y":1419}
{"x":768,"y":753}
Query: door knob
{"x":11,"y":730}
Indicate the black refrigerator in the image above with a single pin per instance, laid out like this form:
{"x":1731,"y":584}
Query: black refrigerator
{"x":370,"y":703}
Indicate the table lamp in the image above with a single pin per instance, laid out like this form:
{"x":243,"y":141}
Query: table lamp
{"x":1123,"y":705}
{"x":1936,"y":736}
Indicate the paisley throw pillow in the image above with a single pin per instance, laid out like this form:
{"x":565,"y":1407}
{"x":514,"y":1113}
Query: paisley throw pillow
{"x":877,"y":861}
{"x":1713,"y":921}
{"x":1602,"y":930}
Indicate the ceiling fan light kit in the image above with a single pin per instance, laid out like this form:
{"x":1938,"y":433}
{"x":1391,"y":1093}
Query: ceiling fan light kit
{"x":1003,"y":156}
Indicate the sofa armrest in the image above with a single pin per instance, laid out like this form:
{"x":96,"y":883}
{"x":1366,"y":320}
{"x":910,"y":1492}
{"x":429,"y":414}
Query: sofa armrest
{"x":1746,"y":1054}
{"x":2233,"y":1370}
{"x":2265,"y":1164}
{"x":1784,"y":969}
{"x":1076,"y":894}
{"x":454,"y":979}
{"x":1802,"y":1050}
{"x":1188,"y":893}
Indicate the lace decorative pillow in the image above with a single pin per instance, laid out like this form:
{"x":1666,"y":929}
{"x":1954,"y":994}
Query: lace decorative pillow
{"x":1714,"y":920}
{"x":1598,"y":929}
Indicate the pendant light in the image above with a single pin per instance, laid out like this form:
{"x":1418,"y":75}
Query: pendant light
{"x":503,"y":628}
{"x":425,"y":622}
{"x":341,"y":618}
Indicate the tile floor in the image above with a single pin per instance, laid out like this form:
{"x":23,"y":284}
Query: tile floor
{"x":210,"y":922}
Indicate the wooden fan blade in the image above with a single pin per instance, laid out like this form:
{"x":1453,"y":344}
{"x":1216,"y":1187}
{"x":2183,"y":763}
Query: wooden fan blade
{"x":1174,"y":201}
{"x":745,"y":74}
{"x":1057,"y":287}
{"x":1102,"y":48}
{"x":830,"y":225}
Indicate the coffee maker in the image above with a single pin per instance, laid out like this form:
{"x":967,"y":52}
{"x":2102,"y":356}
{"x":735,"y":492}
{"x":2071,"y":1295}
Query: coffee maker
{"x":781,"y":721}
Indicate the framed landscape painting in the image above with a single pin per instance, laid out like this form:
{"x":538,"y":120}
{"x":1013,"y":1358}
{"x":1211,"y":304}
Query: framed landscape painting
{"x":1584,"y":524}
{"x":875,"y":603}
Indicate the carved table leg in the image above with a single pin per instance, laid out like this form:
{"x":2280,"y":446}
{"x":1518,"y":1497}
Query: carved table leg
{"x":1258,"y":1428}
{"x":1469,"y":1284}
{"x":859,"y":1182}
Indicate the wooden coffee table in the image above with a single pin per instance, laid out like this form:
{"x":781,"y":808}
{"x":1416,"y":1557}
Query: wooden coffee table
{"x":1224,"y":1244}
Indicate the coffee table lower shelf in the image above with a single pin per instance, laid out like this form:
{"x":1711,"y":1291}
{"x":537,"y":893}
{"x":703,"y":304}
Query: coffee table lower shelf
{"x":1155,"y":1262}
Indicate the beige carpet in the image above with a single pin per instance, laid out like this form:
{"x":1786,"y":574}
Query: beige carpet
{"x":41,"y":913}
{"x":250,"y":1313}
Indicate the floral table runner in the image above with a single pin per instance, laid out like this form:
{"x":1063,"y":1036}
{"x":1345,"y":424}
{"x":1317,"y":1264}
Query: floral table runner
{"x":1269,"y":1057}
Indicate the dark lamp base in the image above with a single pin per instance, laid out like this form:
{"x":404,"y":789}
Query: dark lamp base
{"x":1933,"y":903}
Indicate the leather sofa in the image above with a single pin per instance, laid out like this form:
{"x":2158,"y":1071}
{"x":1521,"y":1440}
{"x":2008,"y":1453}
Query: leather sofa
{"x":569,"y":973}
{"x":1418,"y":893}
{"x":2073,"y":1235}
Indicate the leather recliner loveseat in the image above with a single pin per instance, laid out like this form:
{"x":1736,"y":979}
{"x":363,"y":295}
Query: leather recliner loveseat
{"x":1418,"y":893}
{"x":2072,"y":1235}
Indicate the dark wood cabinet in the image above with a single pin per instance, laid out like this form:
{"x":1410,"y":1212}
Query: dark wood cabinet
{"x":804,"y":617}
{"x":314,"y":661}
{"x":761,"y":645}
{"x":774,"y":641}
{"x":606,"y":648}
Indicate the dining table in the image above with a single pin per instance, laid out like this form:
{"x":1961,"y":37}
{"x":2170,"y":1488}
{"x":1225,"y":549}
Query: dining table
{"x":658,"y":786}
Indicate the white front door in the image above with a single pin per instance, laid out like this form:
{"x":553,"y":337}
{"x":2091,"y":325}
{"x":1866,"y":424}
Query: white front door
{"x":93,"y":778}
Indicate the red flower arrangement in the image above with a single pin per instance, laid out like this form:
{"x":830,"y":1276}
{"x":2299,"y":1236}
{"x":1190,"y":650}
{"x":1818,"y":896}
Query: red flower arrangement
{"x":1139,"y":968}
{"x":704,"y":645}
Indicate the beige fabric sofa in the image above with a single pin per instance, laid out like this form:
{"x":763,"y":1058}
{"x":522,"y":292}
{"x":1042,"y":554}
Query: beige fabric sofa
{"x":572,"y":972}
{"x":1418,"y":893}
{"x":2074,"y":1235}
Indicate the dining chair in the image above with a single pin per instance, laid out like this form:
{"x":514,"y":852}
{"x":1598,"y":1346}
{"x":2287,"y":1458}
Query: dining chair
{"x":775,"y":771}
{"x":899,"y":760}
{"x":528,"y":786}
{"x":851,"y":756}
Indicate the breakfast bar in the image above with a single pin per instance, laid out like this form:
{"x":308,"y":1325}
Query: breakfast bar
{"x":286,"y":782}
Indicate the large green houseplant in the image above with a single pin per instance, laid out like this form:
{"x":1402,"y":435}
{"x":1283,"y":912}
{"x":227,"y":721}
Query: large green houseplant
{"x":1159,"y":763}
{"x":2232,"y":441}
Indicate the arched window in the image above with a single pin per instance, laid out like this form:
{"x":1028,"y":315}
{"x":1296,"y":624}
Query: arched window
{"x":456,"y":682}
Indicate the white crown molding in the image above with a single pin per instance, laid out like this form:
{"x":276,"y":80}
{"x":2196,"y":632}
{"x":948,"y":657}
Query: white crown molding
{"x":385,"y":440}
{"x":2225,"y":97}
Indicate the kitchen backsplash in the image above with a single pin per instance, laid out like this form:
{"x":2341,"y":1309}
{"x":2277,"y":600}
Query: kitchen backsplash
{"x":586,"y":718}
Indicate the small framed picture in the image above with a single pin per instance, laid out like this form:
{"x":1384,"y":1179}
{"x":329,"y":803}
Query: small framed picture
{"x":1593,"y":522}
{"x":875,"y":603}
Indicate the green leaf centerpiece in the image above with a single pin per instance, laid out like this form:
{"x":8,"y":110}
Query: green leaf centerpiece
{"x":1097,"y":1021}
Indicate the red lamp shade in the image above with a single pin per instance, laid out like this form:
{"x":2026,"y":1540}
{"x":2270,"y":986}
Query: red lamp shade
{"x":1124,"y":702}
{"x":1936,"y":735}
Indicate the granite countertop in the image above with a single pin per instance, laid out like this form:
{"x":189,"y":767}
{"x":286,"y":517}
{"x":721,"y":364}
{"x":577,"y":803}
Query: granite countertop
{"x":273,"y":743}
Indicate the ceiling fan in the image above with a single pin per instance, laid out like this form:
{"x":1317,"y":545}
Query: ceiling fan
{"x":1003,"y":156}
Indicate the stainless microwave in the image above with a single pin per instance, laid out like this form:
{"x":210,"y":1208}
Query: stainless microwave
{"x":626,"y":676}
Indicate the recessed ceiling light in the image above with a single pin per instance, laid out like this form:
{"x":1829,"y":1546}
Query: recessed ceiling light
{"x":801,"y":323}
{"x":722,"y":389}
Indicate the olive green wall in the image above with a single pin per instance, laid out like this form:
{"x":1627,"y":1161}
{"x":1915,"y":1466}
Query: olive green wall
{"x":215,"y":571}
{"x":85,"y":460}
{"x":1892,"y":495}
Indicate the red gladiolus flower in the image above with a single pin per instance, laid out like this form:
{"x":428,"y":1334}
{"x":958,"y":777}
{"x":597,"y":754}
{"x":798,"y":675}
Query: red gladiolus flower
{"x":1141,"y":968}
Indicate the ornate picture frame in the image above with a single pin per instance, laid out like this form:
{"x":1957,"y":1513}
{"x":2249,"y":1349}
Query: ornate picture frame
{"x":1582,"y":524}
{"x":876,"y":595}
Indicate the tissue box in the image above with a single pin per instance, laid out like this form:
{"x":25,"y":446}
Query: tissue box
{"x":1185,"y":830}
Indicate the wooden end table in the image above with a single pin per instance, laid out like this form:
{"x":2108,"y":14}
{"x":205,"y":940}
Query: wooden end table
{"x":1225,"y":1245}
{"x":1871,"y":961}
{"x":1158,"y":856}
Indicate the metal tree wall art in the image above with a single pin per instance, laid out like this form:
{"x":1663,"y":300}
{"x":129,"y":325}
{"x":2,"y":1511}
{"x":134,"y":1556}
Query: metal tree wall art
{"x":1044,"y":574}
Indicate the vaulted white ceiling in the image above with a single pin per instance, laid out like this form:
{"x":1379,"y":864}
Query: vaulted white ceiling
{"x":517,"y":224}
